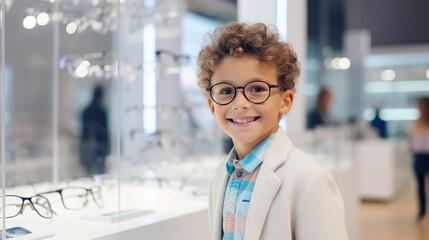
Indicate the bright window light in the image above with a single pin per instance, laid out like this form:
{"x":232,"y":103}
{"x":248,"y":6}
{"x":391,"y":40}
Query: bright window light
{"x":149,"y":4}
{"x":149,"y":78}
{"x":282,"y":18}
{"x":400,"y":59}
{"x":397,"y":86}
{"x":399,"y":114}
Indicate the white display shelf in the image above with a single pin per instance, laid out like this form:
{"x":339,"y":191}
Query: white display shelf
{"x":382,"y":168}
{"x":153,"y":210}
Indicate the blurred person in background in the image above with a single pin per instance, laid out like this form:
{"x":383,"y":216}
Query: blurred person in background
{"x":379,"y":124}
{"x":94,"y":145}
{"x":320,"y":114}
{"x":420,"y":149}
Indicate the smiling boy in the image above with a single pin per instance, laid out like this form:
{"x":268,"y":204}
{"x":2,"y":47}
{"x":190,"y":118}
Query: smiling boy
{"x":267,"y":189}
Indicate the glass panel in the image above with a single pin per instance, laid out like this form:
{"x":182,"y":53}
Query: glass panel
{"x":104,"y":119}
{"x":59,"y":78}
{"x":170,"y":139}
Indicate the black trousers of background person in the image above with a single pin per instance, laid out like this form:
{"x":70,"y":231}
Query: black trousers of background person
{"x":421,"y":168}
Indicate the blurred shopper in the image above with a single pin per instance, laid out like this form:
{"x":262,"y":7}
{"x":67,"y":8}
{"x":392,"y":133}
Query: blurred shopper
{"x":379,"y":124}
{"x":94,"y":145}
{"x":320,"y":114}
{"x":420,"y":148}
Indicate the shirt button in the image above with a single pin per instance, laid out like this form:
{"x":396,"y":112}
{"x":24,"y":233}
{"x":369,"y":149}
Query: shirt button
{"x":231,"y":207}
{"x":239,"y":173}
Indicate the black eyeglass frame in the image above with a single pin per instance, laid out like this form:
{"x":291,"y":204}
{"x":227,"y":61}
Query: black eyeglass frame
{"x":209,"y":89}
{"x":32,"y":205}
{"x":88,"y":190}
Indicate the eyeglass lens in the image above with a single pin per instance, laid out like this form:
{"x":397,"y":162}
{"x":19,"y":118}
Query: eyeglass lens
{"x":42,"y":206}
{"x":74,"y":197}
{"x":14,"y":205}
{"x":256,"y":92}
{"x":77,"y":197}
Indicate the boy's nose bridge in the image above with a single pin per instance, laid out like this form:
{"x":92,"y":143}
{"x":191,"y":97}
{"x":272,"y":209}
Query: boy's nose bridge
{"x":243,"y":95}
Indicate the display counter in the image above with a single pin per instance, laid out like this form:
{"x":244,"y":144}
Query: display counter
{"x":151,"y":207}
{"x":161,"y":214}
{"x":383,"y":166}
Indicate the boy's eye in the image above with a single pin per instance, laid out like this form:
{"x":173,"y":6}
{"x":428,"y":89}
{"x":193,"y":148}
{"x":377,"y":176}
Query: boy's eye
{"x":226,"y":91}
{"x":257,"y":89}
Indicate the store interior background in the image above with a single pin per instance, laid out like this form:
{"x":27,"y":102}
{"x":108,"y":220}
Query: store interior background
{"x":161,"y":136}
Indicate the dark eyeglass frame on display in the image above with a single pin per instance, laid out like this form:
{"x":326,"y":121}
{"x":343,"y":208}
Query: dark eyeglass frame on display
{"x":177,"y":58}
{"x":87,"y":190}
{"x":234,"y":88}
{"x":32,"y":203}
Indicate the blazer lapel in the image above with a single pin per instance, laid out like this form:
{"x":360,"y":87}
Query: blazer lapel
{"x":267,"y":185}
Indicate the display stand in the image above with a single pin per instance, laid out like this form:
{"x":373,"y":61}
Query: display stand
{"x":382,"y":168}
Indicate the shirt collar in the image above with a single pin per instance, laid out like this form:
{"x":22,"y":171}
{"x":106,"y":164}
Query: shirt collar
{"x":252,"y":160}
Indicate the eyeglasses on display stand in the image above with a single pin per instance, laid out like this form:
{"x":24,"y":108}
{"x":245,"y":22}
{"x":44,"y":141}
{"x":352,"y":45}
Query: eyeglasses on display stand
{"x":153,"y":176}
{"x":15,"y":205}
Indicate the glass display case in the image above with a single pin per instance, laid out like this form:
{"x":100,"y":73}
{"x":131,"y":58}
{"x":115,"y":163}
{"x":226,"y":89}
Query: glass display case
{"x":105,"y":129}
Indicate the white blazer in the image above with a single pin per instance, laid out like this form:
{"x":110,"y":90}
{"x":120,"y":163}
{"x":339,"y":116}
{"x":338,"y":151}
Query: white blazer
{"x":293,"y":198}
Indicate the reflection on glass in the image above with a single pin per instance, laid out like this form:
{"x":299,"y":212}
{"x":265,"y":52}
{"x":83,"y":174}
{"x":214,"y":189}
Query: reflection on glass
{"x":94,"y":146}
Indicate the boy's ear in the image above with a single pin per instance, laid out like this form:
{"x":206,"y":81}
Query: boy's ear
{"x":211,"y":105}
{"x":287,"y":102}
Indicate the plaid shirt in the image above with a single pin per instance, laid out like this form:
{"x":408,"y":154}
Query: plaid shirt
{"x":239,"y":190}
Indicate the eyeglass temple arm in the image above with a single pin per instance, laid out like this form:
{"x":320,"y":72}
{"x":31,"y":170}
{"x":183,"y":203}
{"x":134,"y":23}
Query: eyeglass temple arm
{"x":53,"y":191}
{"x":277,"y":86}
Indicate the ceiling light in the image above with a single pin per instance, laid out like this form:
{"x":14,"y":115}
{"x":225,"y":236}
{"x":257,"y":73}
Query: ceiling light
{"x":344,"y":63}
{"x":336,"y":63}
{"x":42,"y":19}
{"x":388,"y":75}
{"x":29,"y":22}
{"x":71,"y":28}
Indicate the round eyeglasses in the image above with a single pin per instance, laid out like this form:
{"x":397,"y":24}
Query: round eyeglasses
{"x":255,"y":92}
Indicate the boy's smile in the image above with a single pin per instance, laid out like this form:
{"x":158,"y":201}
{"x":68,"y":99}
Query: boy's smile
{"x":247,"y":123}
{"x":243,"y":121}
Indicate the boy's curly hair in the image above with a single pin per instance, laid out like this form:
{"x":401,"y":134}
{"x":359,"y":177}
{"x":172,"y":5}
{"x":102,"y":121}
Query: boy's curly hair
{"x":257,"y":40}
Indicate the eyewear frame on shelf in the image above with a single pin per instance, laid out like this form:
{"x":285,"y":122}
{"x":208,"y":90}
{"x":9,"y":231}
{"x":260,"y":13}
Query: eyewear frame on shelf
{"x":178,"y":59}
{"x":34,"y":203}
{"x":229,"y":92}
{"x":79,"y":192}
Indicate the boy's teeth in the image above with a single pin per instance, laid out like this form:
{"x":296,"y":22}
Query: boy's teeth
{"x":243,"y":120}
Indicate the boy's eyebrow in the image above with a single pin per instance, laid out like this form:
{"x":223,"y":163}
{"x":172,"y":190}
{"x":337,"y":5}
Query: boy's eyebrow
{"x":247,"y":81}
